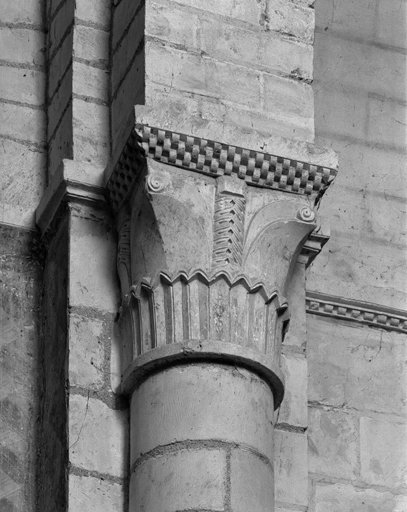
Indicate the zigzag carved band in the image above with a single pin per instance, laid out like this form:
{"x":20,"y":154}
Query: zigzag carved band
{"x":215,"y":159}
{"x":355,"y":311}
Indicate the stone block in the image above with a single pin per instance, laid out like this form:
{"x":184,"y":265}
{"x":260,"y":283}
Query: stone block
{"x":61,"y":98}
{"x":333,"y":440}
{"x":166,"y":20}
{"x":387,"y":121}
{"x":23,"y":85}
{"x":22,"y":201}
{"x":91,"y":44}
{"x":126,"y":51}
{"x":94,"y":12}
{"x":356,"y":66}
{"x":340,"y":497}
{"x":91,"y":131}
{"x":206,"y":117}
{"x":291,"y":19}
{"x":297,"y":331}
{"x":90,"y":119}
{"x":97,"y":436}
{"x":60,"y":64}
{"x":255,"y":49}
{"x":86,"y":352}
{"x":291,"y":467}
{"x":130,"y":93}
{"x":123,"y":15}
{"x":22,"y":11}
{"x":291,"y":103}
{"x":293,"y":409}
{"x":383,"y":452}
{"x":59,"y":25}
{"x":251,"y":482}
{"x":344,"y":20}
{"x":90,"y":82}
{"x":348,"y":117}
{"x":184,"y":480}
{"x":347,"y":363}
{"x":248,"y":11}
{"x":23,"y":123}
{"x":61,"y":144}
{"x":241,"y":413}
{"x":196,"y":74}
{"x":22,"y":46}
{"x":91,"y":243}
{"x":391,"y":23}
{"x":94,"y":494}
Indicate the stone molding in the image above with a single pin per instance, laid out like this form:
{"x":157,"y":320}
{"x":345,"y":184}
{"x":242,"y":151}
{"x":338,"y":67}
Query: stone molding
{"x":373,"y":315}
{"x":74,"y":182}
{"x":214,"y":159}
{"x":209,"y":351}
{"x":173,"y":308}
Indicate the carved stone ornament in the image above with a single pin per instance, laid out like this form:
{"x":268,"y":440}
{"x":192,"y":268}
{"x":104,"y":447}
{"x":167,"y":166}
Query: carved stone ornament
{"x":208,"y":238}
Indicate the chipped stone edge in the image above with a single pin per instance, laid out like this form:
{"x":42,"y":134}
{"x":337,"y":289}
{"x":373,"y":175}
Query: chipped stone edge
{"x":365,"y":313}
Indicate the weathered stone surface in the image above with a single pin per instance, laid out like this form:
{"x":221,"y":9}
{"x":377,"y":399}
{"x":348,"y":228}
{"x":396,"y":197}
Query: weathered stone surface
{"x":291,"y":467}
{"x":23,"y":123}
{"x":340,"y":497}
{"x":360,"y":99}
{"x":53,"y":442}
{"x":92,"y":244}
{"x":347,"y":364}
{"x":127,"y":50}
{"x":20,"y":274}
{"x":333,"y":440}
{"x":122,"y":16}
{"x":293,"y":409}
{"x":221,"y":39}
{"x":246,"y":11}
{"x":92,"y":447}
{"x":186,"y":402}
{"x":22,"y":11}
{"x":184,"y":480}
{"x":251,"y":482}
{"x":86,"y":352}
{"x":91,"y":44}
{"x":94,"y":494}
{"x":17,"y":204}
{"x":22,"y":46}
{"x":291,"y":19}
{"x":90,"y":82}
{"x":383,"y":448}
{"x":23,"y":85}
{"x":94,"y":12}
{"x":90,"y":131}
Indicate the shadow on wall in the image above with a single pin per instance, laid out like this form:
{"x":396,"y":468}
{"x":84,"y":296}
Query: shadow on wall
{"x":361,"y":112}
{"x":358,"y":430}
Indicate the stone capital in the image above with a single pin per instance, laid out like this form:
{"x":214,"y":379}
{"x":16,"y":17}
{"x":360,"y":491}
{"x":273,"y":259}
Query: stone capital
{"x":209,"y":234}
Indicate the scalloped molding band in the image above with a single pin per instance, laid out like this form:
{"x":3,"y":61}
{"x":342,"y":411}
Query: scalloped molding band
{"x":373,"y":315}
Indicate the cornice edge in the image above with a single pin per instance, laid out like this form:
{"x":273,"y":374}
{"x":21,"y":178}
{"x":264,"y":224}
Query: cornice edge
{"x":365,"y":313}
{"x":74,"y":182}
{"x":215,"y":159}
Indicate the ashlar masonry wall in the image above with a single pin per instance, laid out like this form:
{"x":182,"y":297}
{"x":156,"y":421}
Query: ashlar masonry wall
{"x":357,"y":373}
